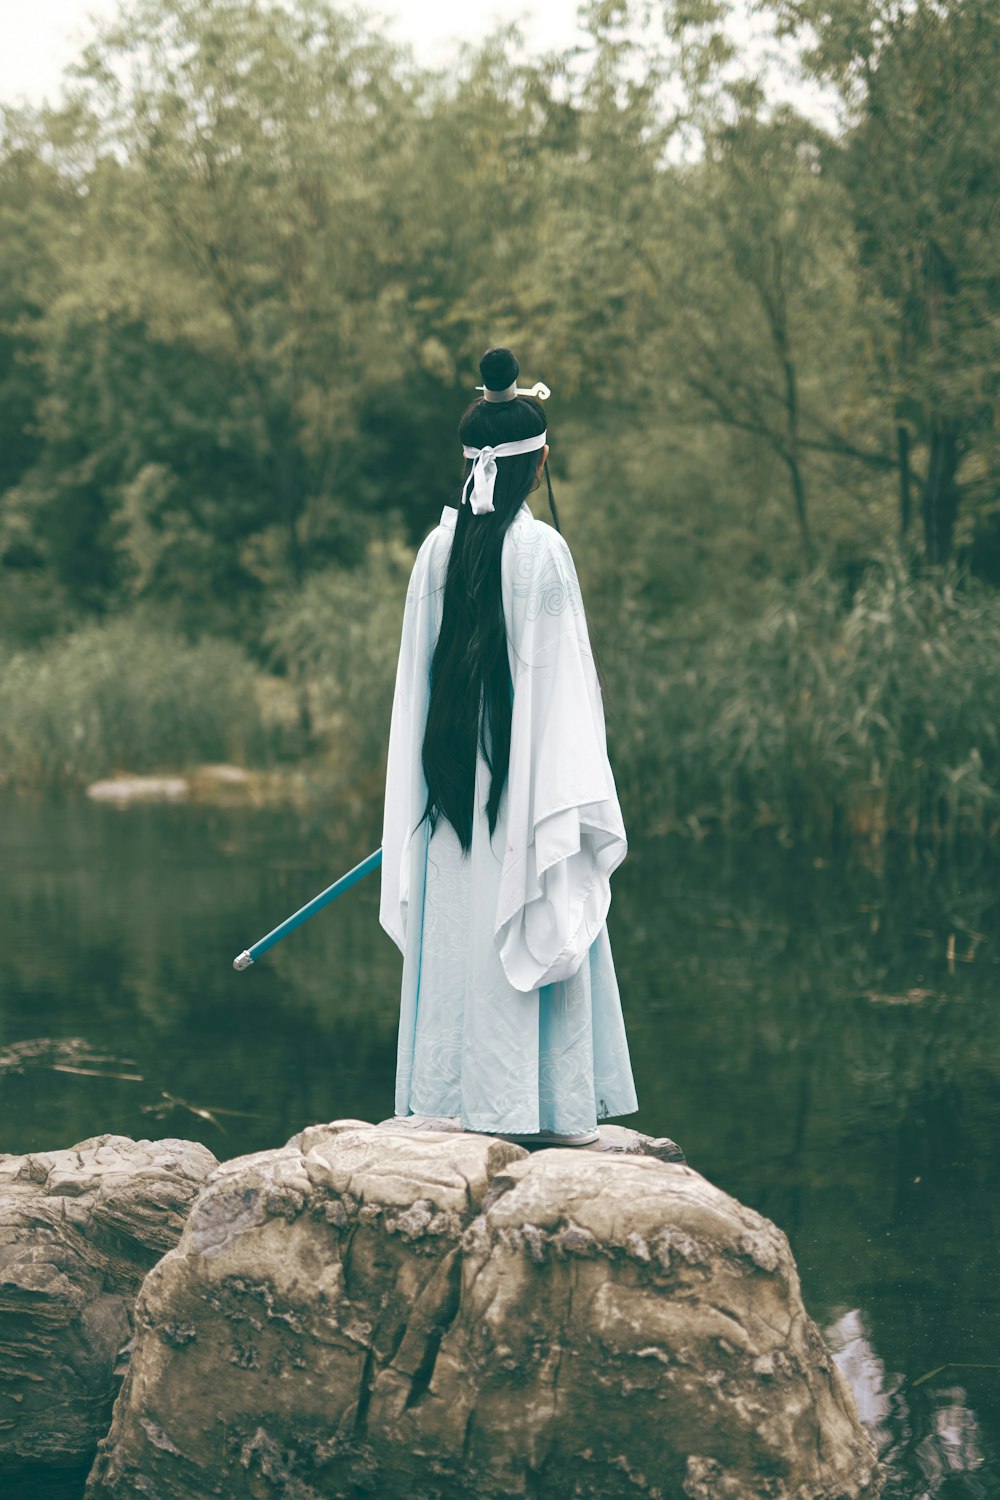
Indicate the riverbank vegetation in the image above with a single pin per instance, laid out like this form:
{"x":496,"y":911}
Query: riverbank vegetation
{"x":125,"y":694}
{"x":248,"y":265}
{"x":822,"y":718}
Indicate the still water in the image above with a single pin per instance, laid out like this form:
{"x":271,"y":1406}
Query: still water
{"x":823,"y":1039}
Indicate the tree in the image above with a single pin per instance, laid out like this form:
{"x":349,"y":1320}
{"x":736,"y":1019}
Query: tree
{"x":755,"y":305}
{"x":257,"y":137}
{"x":921,"y":162}
{"x":39,"y":213}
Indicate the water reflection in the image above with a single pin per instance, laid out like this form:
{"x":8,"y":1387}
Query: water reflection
{"x":824,"y":1041}
{"x":848,"y":1340}
{"x":942,"y":1444}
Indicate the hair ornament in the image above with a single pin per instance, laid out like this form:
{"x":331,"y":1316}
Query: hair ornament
{"x":539,"y":390}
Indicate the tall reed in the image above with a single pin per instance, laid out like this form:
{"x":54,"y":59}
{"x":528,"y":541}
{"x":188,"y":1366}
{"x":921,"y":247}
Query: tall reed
{"x":821,"y":716}
{"x":124,"y":696}
{"x":337,"y":638}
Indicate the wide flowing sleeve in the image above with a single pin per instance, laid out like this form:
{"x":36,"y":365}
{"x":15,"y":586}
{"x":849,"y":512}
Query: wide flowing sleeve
{"x":564,"y":829}
{"x":405,"y":787}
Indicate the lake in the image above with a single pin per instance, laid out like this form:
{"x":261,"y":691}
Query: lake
{"x":821,"y":1037}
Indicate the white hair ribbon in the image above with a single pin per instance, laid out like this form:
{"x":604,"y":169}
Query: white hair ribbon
{"x":484,"y":470}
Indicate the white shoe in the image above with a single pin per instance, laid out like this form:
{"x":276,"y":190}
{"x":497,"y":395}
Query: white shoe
{"x":553,"y":1138}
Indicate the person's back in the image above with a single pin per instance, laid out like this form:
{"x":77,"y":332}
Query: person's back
{"x":502,"y":824}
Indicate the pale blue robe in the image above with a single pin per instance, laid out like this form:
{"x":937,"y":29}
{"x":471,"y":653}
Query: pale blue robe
{"x":510,"y":1016}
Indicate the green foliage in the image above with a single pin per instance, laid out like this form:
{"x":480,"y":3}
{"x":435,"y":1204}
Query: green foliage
{"x":248,"y":267}
{"x":36,"y":212}
{"x":819,"y":717}
{"x":125,"y":697}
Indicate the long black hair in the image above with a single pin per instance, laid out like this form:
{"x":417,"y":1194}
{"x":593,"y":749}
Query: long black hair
{"x":471,"y":694}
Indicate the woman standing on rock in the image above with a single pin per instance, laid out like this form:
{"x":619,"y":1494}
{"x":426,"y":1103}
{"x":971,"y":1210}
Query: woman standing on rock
{"x":502,"y":824}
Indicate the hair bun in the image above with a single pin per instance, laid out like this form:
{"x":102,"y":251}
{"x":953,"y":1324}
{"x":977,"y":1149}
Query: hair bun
{"x":499,"y":369}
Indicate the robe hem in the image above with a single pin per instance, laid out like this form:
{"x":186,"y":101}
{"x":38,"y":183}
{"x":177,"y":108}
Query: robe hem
{"x":519,"y":1128}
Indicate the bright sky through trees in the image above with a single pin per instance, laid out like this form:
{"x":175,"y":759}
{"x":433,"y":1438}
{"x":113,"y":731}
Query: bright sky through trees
{"x":39,"y":39}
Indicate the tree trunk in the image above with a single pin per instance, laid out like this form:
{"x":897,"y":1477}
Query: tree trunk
{"x":941,"y":495}
{"x":792,"y":455}
{"x":291,"y":506}
{"x":798,"y":490}
{"x":905,"y":497}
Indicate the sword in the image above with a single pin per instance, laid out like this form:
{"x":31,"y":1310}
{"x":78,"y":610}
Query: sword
{"x":246,"y":958}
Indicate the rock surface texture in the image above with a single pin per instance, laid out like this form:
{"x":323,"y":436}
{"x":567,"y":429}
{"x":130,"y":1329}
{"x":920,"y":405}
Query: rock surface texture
{"x":79,"y":1229}
{"x":433,"y":1315}
{"x":614,"y":1139}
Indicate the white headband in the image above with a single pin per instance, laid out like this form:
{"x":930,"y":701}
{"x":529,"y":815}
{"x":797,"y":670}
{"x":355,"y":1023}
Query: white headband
{"x":484,"y":470}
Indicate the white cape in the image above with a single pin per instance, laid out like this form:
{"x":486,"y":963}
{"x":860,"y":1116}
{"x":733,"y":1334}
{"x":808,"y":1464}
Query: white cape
{"x":510,"y":1015}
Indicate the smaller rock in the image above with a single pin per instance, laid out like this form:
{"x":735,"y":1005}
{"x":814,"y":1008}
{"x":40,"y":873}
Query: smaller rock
{"x":126,"y":789}
{"x":79,"y":1229}
{"x":223,"y":775}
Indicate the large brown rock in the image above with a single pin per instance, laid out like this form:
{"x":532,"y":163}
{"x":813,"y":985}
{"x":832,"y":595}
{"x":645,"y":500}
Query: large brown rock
{"x":650,"y":1330}
{"x":79,"y":1229}
{"x":437,"y":1315}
